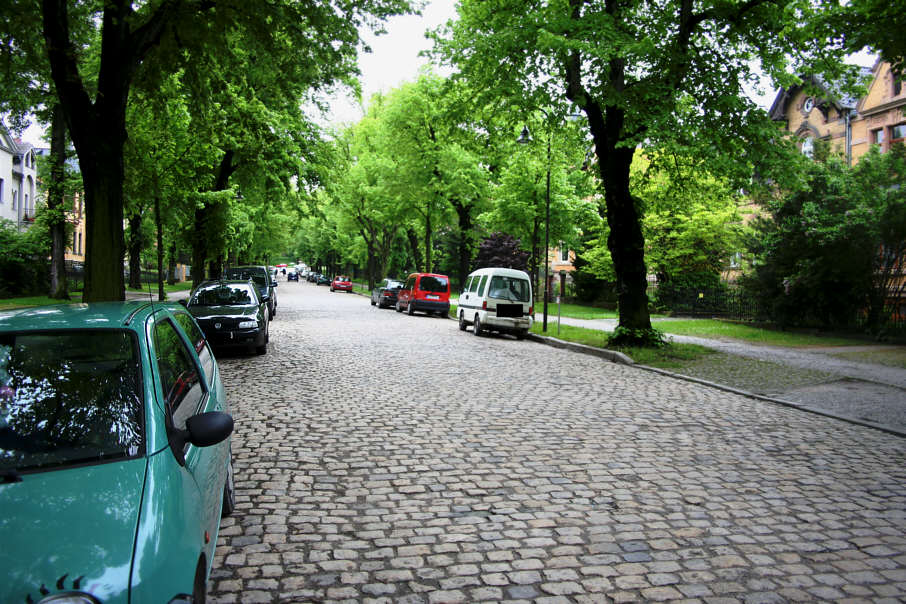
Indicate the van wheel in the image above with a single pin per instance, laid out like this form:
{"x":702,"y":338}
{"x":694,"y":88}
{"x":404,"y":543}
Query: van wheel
{"x":409,"y":309}
{"x":476,"y":327}
{"x":520,"y":335}
{"x":462,"y":321}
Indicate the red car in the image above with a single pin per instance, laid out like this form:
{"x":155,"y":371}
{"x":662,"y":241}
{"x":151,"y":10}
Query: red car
{"x":341,"y":283}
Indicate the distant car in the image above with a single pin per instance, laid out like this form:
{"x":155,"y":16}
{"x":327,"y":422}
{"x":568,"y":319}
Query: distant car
{"x":114,"y":453}
{"x":384,"y":295}
{"x":322,"y":280}
{"x":292,"y":274}
{"x":263,"y":280}
{"x":231,"y":314}
{"x":341,"y":283}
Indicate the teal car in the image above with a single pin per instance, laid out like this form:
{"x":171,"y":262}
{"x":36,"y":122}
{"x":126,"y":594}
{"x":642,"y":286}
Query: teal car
{"x":115,"y":463}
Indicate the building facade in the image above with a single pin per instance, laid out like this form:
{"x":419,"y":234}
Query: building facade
{"x":18,"y":180}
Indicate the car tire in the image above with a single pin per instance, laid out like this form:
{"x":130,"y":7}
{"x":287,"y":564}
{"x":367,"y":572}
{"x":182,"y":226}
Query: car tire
{"x":200,"y":585}
{"x":410,"y":310}
{"x":398,"y":307}
{"x":477,"y":328}
{"x":229,"y":492}
{"x":373,"y":303}
{"x":520,"y":335}
{"x":462,"y":321}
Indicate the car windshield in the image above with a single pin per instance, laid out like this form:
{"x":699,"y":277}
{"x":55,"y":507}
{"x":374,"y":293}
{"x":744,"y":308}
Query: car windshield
{"x":226,"y":294}
{"x":69,"y":397}
{"x":433,"y":284}
{"x":394,"y":285}
{"x":509,"y":288}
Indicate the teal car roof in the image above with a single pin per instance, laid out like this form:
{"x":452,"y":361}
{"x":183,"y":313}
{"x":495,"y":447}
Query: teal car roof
{"x":62,"y":316}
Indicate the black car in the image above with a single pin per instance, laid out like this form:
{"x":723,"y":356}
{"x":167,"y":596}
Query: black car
{"x":322,"y":280}
{"x":384,"y":295}
{"x":261,"y":277}
{"x":292,"y":275}
{"x":231,"y":314}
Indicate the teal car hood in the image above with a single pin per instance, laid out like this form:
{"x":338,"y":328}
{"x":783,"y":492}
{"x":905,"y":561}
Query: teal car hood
{"x":70,"y":530}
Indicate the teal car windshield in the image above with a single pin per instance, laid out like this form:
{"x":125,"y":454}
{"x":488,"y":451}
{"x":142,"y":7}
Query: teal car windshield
{"x":69,"y":397}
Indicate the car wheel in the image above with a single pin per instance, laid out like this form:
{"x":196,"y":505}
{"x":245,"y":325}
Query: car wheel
{"x":262,"y":349}
{"x":520,"y":335}
{"x":200,"y":585}
{"x":229,"y":492}
{"x":373,"y":303}
{"x":476,"y":327}
{"x":462,"y":321}
{"x":398,"y":308}
{"x":410,"y":309}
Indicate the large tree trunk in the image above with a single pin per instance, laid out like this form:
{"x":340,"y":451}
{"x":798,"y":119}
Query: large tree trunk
{"x":135,"y":250}
{"x":98,"y":128}
{"x":58,"y":284}
{"x":464,"y":251}
{"x":427,"y":239}
{"x":200,"y":251}
{"x":414,"y":247}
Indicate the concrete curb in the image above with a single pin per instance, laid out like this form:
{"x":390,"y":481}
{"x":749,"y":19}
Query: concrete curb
{"x":609,"y":355}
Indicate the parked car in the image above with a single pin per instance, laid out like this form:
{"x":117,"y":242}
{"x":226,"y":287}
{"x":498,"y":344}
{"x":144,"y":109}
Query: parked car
{"x":384,"y":295}
{"x":322,"y":280}
{"x":114,"y":454}
{"x":496,"y":299}
{"x":292,"y":274}
{"x":425,"y":292}
{"x":312,"y":277}
{"x":231,"y":314}
{"x":263,"y":280}
{"x":341,"y":283}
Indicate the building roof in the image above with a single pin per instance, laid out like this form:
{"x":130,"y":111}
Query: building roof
{"x":833,"y":94}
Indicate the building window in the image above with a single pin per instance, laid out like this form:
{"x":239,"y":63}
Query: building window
{"x":877,"y":136}
{"x":808,"y":147}
{"x":1,"y":190}
{"x":564,"y":254}
{"x":898,"y":133}
{"x":897,"y":81}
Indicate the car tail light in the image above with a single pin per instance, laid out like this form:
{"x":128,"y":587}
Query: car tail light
{"x":484,"y":305}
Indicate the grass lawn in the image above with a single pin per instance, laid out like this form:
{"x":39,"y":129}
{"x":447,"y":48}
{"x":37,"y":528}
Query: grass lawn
{"x":76,"y":297}
{"x":575,"y":311}
{"x":715,"y":329}
{"x":671,"y":356}
{"x":890,"y":357}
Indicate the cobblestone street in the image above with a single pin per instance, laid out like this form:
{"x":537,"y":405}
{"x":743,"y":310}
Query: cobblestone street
{"x":380,"y":457}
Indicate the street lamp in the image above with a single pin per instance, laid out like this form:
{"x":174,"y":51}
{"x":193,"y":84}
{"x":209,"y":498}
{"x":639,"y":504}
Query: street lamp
{"x":525,"y":138}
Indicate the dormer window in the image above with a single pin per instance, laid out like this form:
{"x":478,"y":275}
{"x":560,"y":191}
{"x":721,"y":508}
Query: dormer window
{"x":808,"y":105}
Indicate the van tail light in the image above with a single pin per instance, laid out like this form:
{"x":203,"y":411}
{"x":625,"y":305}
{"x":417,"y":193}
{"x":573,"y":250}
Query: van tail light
{"x":531,"y":310}
{"x":484,"y":305}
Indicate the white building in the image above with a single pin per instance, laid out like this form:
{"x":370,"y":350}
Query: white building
{"x":18,"y":180}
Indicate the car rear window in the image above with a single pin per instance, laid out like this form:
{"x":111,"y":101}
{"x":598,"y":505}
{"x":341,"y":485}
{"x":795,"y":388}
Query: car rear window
{"x":69,"y":397}
{"x":509,"y":288}
{"x":224,"y":295}
{"x":433,"y":284}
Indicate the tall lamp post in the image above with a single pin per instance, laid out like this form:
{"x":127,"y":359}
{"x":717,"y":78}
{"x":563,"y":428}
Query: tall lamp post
{"x":524,"y":139}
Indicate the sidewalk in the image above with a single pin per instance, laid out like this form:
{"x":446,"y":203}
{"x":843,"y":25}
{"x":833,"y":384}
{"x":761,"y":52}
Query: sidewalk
{"x":812,"y":379}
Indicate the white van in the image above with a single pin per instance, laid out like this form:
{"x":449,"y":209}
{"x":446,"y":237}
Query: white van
{"x":496,"y":299}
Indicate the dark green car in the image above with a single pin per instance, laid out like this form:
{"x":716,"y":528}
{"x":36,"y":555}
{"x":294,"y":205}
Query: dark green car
{"x":114,"y":454}
{"x":231,"y":315}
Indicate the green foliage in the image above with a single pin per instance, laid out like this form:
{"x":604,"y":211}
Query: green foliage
{"x":627,"y":336}
{"x":23,"y":260}
{"x":829,"y":251}
{"x":500,"y":249}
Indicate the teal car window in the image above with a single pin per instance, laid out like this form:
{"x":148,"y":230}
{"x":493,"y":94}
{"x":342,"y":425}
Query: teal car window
{"x":198,"y":341}
{"x":69,"y":397}
{"x":178,"y":375}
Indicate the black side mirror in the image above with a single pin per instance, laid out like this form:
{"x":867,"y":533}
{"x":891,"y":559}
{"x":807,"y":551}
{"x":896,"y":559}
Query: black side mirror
{"x":206,"y":429}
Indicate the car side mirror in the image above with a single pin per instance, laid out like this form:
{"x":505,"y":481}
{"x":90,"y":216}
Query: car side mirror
{"x":206,"y":429}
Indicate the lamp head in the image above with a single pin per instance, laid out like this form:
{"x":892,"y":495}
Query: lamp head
{"x":526,"y":136}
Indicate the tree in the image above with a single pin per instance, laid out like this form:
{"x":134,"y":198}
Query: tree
{"x":321,"y":38}
{"x":641,"y":73}
{"x":876,"y":24}
{"x":500,"y":249}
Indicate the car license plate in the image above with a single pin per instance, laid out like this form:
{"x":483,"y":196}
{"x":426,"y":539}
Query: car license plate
{"x":433,"y":297}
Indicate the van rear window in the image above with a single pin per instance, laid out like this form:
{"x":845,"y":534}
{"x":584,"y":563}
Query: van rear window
{"x":433,"y":284}
{"x":509,"y":288}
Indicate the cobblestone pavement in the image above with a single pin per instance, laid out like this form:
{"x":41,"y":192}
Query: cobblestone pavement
{"x":385,"y":458}
{"x":815,"y":378}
